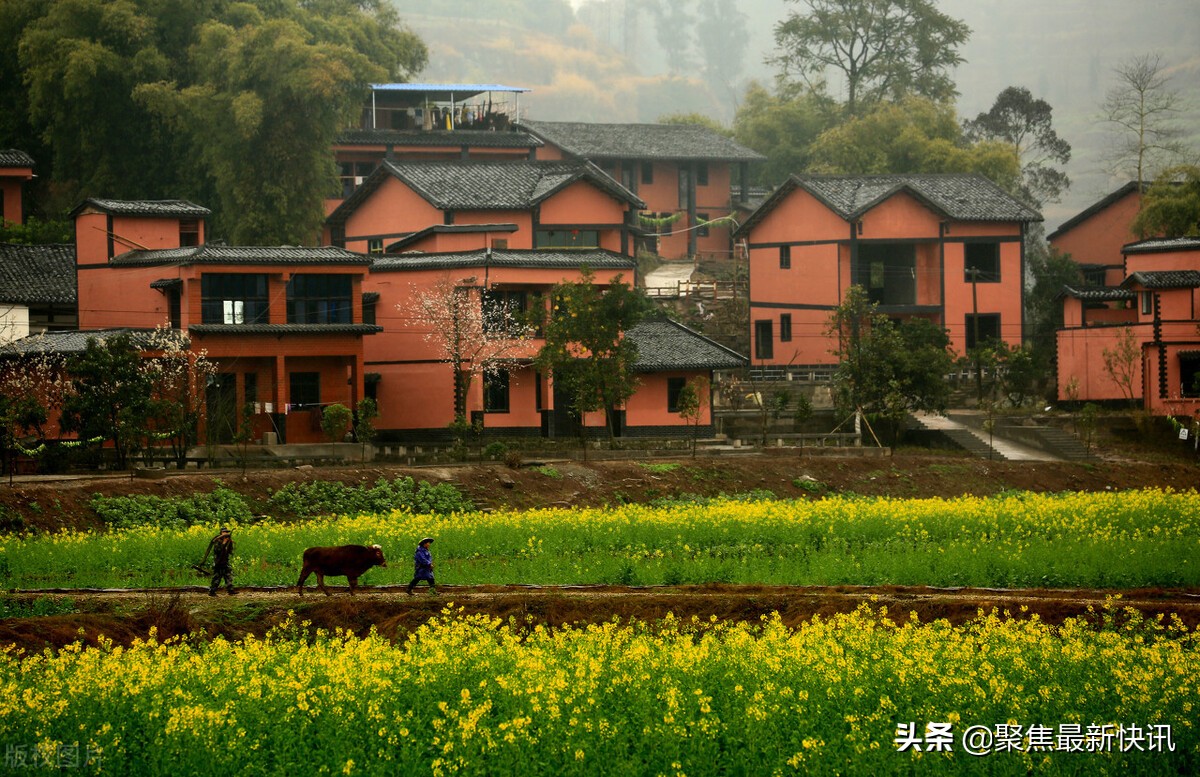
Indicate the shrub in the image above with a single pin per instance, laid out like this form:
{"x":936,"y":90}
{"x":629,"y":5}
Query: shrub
{"x":222,"y":506}
{"x":322,"y":497}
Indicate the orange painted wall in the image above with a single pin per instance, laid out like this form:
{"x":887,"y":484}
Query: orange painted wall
{"x":820,"y":272}
{"x":393,"y":210}
{"x":119,"y":297}
{"x":11,"y":194}
{"x":1099,"y":238}
{"x":1081,"y":359}
{"x":648,"y":407}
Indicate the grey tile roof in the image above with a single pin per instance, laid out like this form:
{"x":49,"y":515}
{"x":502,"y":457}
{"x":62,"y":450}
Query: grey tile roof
{"x":665,"y":345}
{"x":37,"y":274}
{"x":545,"y":259}
{"x":67,"y":343}
{"x":212,"y":253}
{"x":1097,"y":293}
{"x":1162,"y":244}
{"x":12,"y":157}
{"x":512,"y":185}
{"x":680,"y":142}
{"x":452,"y":138}
{"x":153,"y":208}
{"x":285,"y":329}
{"x":957,"y":196}
{"x":1165,"y":279}
{"x":448,"y":229}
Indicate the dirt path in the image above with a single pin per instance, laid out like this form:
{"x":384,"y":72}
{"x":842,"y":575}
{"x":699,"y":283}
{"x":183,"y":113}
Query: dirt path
{"x":127,"y":615}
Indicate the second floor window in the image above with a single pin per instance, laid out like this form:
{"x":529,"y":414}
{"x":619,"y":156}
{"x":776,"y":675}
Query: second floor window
{"x":504,"y":312}
{"x":982,"y":262}
{"x":566,"y":238}
{"x":319,"y":299}
{"x":233,"y":298}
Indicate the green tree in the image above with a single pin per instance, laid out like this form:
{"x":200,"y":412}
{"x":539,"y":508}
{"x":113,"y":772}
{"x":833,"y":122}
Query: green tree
{"x":673,"y":23}
{"x":1171,"y":206}
{"x":1050,"y":270}
{"x":914,"y":135}
{"x":365,"y":413}
{"x":883,"y":48}
{"x":1025,"y":124}
{"x":335,"y":421}
{"x":691,"y":402}
{"x":585,"y":347}
{"x":110,"y":395}
{"x":782,"y":126}
{"x":267,"y":99}
{"x":723,"y":37}
{"x":884,"y":369}
{"x":229,"y":103}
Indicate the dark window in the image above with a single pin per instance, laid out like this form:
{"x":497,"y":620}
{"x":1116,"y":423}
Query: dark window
{"x":785,"y":257}
{"x":174,"y":307}
{"x":764,"y":346}
{"x":566,"y":238}
{"x":647,"y":172}
{"x":504,"y":311}
{"x":702,"y":173}
{"x":785,"y":327}
{"x":1189,"y":376}
{"x":674,"y":389}
{"x":375,"y":245}
{"x":304,"y":390}
{"x":989,"y":329}
{"x":982,"y":262}
{"x":701,"y":225}
{"x":888,"y":271}
{"x":368,"y":313}
{"x":319,"y":299}
{"x":448,"y":217}
{"x":629,"y":176}
{"x":251,"y":387}
{"x":371,"y":386}
{"x":1093,"y":275}
{"x":228,"y":298}
{"x":1147,"y":302}
{"x":495,"y":391}
{"x":189,"y":232}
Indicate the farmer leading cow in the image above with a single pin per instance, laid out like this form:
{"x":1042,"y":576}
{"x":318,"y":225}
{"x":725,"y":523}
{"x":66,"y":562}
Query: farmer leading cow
{"x":221,"y":547}
{"x":423,"y":566}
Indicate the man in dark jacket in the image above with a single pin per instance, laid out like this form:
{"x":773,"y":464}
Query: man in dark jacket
{"x":423,"y":563}
{"x":221,"y":547}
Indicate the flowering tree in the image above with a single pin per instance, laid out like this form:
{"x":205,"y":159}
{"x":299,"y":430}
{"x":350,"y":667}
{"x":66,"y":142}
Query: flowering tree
{"x":472,"y":331}
{"x":178,"y":377}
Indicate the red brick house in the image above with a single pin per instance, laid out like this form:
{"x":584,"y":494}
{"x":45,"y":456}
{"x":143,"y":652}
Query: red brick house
{"x":1155,"y":310}
{"x":949,"y":248}
{"x":414,"y":384}
{"x":685,"y":173}
{"x":283,"y":324}
{"x":16,"y":169}
{"x":531,"y":204}
{"x":1095,"y":236}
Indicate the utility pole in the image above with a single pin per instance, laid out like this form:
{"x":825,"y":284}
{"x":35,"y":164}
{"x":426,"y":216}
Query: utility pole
{"x":974,"y":271}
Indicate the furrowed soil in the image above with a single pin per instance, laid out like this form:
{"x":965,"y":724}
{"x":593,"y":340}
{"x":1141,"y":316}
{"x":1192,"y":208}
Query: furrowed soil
{"x":123,"y":617}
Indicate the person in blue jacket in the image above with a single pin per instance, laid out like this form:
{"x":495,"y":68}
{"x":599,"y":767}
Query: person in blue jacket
{"x":423,"y":563}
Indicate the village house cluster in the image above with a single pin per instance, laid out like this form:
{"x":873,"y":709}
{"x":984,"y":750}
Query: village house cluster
{"x":449,"y":184}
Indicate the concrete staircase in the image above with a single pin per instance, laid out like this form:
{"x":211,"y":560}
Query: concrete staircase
{"x":1015,"y":443}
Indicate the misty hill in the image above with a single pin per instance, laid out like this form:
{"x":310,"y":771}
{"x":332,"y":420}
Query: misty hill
{"x":602,"y":60}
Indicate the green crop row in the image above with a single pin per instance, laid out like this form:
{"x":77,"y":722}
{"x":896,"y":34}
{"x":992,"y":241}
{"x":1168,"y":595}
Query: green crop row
{"x":1118,"y":540}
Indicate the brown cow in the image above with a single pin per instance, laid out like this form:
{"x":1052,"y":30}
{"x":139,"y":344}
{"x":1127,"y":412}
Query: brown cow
{"x":348,"y":560}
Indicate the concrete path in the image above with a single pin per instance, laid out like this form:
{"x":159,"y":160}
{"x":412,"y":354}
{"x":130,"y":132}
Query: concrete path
{"x":669,"y":275}
{"x":1009,"y":450}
